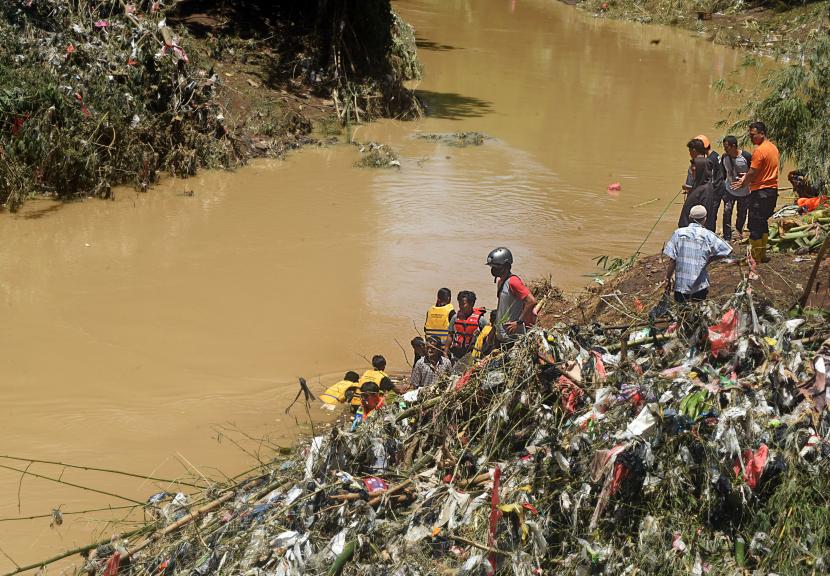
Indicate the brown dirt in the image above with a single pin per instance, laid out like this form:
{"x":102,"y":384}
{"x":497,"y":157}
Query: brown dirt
{"x":628,"y":297}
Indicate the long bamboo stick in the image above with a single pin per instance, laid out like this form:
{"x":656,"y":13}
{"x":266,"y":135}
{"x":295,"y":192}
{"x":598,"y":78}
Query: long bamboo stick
{"x":75,"y":512}
{"x":87,"y":488}
{"x":107,"y":470}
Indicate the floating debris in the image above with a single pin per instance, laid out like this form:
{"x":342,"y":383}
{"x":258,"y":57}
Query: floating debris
{"x":374,"y":155}
{"x":456,"y":139}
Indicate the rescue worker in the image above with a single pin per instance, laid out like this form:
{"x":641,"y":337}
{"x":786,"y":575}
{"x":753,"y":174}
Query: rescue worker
{"x":377,"y":373}
{"x":439,"y":317}
{"x":690,"y":250}
{"x":484,"y":341}
{"x":763,"y":189}
{"x":467,"y":324}
{"x":343,"y":391}
{"x":515,"y":308}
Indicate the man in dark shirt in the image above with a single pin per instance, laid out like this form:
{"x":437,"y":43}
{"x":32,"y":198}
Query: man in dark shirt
{"x":713,"y":160}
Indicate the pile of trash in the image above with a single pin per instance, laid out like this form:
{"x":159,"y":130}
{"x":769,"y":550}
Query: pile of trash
{"x":695,"y":445}
{"x":99,"y":93}
{"x":376,"y":155}
{"x":800,"y":233}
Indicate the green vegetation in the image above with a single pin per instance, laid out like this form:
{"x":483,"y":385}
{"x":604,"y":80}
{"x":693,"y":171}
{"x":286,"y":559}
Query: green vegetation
{"x":795,"y":106}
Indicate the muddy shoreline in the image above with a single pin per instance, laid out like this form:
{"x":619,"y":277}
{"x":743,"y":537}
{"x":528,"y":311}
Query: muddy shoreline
{"x":106,"y":93}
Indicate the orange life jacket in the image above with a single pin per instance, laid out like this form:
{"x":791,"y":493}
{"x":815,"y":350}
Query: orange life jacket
{"x":464,"y":331}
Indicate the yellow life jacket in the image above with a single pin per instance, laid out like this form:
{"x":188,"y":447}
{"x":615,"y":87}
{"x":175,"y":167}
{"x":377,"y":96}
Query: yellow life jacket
{"x":479,"y":345}
{"x":336,"y":393}
{"x":438,"y":322}
{"x":369,"y":376}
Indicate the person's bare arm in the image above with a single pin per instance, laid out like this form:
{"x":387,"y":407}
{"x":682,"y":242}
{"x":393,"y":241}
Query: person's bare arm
{"x":527,"y":309}
{"x":669,"y":274}
{"x":748,"y":177}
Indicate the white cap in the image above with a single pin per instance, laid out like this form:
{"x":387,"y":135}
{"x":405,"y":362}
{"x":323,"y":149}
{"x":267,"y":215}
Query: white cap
{"x":697,"y":212}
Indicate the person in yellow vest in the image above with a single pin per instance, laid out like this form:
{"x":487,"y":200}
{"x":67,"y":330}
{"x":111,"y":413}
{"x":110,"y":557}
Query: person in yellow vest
{"x":376,"y":374}
{"x":343,"y":391}
{"x":484,"y":341}
{"x":439,"y":317}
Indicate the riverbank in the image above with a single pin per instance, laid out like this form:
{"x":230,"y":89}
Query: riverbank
{"x":106,"y":93}
{"x":768,"y":29}
{"x":585,"y":448}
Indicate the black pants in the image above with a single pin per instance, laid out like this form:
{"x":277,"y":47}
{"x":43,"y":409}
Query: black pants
{"x":729,"y":203}
{"x":698,"y":196}
{"x":761,"y":207}
{"x":699,"y":296}
{"x":712,"y":209}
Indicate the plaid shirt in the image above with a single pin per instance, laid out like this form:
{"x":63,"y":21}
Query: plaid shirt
{"x":424,"y":373}
{"x":692,"y":248}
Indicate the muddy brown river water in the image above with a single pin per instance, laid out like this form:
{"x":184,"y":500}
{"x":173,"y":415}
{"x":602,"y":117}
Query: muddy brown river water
{"x":153,"y":332}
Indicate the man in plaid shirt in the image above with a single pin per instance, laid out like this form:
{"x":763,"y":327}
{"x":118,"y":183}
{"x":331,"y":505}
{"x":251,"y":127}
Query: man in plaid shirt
{"x":690,"y":249}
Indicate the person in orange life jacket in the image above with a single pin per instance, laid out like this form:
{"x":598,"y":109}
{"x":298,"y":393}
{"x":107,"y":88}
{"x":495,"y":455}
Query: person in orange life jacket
{"x":516,"y":303}
{"x":439,"y":317}
{"x":370,"y":400}
{"x":467,"y":323}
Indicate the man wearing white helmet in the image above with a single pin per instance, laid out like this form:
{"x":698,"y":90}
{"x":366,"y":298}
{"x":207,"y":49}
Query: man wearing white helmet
{"x":690,"y":250}
{"x":516,"y":303}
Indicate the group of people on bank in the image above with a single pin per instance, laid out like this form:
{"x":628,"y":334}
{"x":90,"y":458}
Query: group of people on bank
{"x":746,"y":183}
{"x":451,"y":335}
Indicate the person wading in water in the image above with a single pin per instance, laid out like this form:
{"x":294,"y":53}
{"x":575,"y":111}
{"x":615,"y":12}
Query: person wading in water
{"x":515,"y":307}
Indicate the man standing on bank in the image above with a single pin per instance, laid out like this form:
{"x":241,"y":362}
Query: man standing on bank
{"x":516,"y":303}
{"x":735,"y":163}
{"x":763,"y":189}
{"x":690,"y":250}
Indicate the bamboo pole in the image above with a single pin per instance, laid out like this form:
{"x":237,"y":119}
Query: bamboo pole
{"x":105,"y":493}
{"x":107,"y":470}
{"x":107,"y":509}
{"x":811,"y":280}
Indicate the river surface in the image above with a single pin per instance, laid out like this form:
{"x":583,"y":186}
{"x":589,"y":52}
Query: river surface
{"x":153,"y":333}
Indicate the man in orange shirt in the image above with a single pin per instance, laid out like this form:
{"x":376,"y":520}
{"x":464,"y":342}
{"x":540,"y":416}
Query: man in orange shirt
{"x":763,"y":189}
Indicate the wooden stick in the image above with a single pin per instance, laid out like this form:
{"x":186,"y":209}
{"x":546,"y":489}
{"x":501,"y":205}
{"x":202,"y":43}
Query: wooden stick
{"x":108,"y":470}
{"x":479,"y":546}
{"x":27,"y":473}
{"x":480,"y":479}
{"x":811,"y":280}
{"x":394,"y":489}
{"x":418,"y":407}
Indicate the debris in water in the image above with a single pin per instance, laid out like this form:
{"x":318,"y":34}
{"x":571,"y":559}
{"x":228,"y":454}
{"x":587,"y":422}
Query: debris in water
{"x":374,"y":155}
{"x":456,"y":139}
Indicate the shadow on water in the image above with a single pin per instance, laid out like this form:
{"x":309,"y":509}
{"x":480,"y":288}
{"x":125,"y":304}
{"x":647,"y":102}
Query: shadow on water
{"x":430,"y":45}
{"x":40,"y":212}
{"x":451,"y":106}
